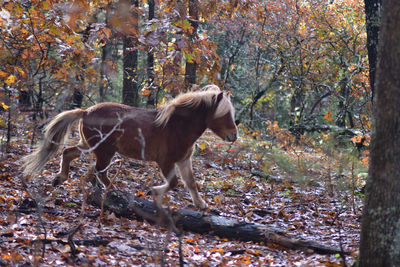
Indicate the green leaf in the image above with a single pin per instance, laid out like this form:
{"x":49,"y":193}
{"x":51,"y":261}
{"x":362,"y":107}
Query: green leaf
{"x":53,"y":30}
{"x":186,"y":24}
{"x":189,"y":57}
{"x":70,"y":205}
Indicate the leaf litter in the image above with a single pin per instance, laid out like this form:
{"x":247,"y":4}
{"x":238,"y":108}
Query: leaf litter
{"x":225,"y":175}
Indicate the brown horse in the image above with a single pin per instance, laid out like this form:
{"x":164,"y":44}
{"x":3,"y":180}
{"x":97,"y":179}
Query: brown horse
{"x":165,"y":135}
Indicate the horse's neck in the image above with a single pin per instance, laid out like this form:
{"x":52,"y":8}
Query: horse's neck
{"x":188,"y":128}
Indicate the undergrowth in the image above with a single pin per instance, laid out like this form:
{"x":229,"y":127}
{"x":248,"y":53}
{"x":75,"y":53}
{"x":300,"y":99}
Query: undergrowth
{"x":321,"y":159}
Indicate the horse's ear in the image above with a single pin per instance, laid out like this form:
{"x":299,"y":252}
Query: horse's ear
{"x":220,"y":96}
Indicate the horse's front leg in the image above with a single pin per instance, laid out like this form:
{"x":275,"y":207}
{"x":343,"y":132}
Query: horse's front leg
{"x":170,"y":183}
{"x":186,"y":170}
{"x":103,"y":162}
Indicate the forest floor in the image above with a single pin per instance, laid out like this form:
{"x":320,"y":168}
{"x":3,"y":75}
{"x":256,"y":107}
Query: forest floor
{"x":307,"y":192}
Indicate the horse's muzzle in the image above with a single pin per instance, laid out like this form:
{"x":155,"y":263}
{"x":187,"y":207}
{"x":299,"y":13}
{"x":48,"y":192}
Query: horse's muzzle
{"x":231,"y":137}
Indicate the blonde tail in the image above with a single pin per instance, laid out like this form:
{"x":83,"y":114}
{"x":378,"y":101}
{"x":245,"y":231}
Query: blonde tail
{"x":54,"y":136}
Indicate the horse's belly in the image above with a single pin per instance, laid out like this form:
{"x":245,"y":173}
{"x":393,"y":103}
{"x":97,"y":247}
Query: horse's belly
{"x":137,"y":151}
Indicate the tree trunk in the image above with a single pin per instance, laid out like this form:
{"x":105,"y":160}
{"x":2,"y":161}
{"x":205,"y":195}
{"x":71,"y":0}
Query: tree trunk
{"x":151,"y":100}
{"x":190,"y":74}
{"x":77,"y":99}
{"x":342,"y":105}
{"x":24,"y":98}
{"x":296,"y":104}
{"x":105,"y":70}
{"x":380,"y":234}
{"x":372,"y":22}
{"x":130,"y":94}
{"x":106,"y":56}
{"x":77,"y":96}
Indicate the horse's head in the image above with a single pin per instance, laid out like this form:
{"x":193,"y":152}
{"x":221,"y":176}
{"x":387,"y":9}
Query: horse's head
{"x":222,"y":120}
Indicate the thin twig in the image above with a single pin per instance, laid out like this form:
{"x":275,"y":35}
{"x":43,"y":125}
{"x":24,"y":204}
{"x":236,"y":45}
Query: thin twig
{"x":112,"y":180}
{"x":71,"y":241}
{"x":181,"y":262}
{"x":39,"y":209}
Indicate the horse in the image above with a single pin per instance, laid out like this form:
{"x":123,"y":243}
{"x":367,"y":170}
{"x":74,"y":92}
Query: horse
{"x":165,"y":135}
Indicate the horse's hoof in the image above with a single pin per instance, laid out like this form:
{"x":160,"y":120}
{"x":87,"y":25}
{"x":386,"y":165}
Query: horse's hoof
{"x":100,"y":186}
{"x":56,"y":181}
{"x":202,"y":205}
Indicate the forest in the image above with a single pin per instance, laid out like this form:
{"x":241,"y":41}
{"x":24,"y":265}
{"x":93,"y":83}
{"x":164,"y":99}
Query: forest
{"x":305,"y":173}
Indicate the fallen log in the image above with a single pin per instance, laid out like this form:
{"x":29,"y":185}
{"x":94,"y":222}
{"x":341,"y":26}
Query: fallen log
{"x":127,"y":205}
{"x":81,"y":242}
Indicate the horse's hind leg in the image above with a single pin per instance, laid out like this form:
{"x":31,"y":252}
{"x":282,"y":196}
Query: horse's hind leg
{"x":103,"y":160}
{"x":68,"y":155}
{"x":185,"y":168}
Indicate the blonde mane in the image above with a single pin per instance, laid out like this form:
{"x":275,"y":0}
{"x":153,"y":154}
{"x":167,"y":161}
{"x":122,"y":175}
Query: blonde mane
{"x":207,"y":96}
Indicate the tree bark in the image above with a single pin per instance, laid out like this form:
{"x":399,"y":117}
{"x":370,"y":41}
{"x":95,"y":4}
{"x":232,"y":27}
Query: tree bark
{"x":105,"y":70}
{"x":380,"y":234}
{"x":342,"y":105}
{"x":24,"y":98}
{"x":151,"y":100}
{"x":106,"y":56}
{"x":77,"y":95}
{"x":77,"y":98}
{"x":190,"y":72}
{"x":130,"y":94}
{"x":372,"y":22}
{"x":296,"y":109}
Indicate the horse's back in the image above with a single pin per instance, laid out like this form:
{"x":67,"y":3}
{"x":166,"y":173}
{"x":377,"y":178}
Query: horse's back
{"x":125,"y":129}
{"x":107,"y":109}
{"x":115,"y":113}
